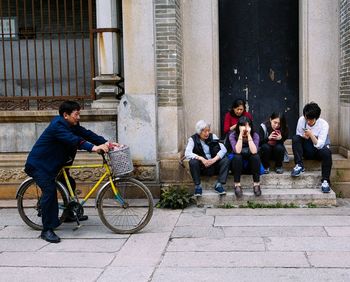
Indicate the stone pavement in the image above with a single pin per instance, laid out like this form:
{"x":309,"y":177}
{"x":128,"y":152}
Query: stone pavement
{"x":195,"y":244}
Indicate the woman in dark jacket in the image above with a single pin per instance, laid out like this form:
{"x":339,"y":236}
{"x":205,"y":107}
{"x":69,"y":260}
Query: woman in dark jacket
{"x":245,"y":144}
{"x":272,"y":135}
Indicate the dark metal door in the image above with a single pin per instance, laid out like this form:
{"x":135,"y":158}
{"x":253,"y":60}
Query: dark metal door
{"x":259,"y":57}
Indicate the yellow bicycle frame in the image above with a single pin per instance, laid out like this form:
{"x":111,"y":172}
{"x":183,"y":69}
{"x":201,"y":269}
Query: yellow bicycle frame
{"x":107,"y":173}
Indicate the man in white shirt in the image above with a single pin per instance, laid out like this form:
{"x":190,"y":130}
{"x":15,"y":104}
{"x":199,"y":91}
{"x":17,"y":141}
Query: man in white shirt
{"x":207,"y":156}
{"x":312,"y":142}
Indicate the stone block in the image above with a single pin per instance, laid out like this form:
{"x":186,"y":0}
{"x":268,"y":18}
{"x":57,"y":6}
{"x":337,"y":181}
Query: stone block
{"x":234,"y":259}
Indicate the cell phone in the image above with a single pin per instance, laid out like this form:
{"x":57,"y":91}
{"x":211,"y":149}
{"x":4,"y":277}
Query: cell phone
{"x":305,"y":129}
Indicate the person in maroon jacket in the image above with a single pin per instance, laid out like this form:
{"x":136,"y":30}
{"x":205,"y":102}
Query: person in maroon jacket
{"x":238,"y":109}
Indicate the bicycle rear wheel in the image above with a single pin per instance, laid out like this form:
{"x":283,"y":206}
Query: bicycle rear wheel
{"x":28,"y":203}
{"x":128,"y":211}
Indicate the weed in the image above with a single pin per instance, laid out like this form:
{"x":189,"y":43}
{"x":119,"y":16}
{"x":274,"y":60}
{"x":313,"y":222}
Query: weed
{"x":174,"y":197}
{"x":278,"y":205}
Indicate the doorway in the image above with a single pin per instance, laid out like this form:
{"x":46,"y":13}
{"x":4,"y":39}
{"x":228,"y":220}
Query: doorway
{"x":259,"y":58}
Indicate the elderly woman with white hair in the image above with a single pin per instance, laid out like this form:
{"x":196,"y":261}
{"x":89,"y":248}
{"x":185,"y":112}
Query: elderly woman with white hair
{"x":207,"y":157}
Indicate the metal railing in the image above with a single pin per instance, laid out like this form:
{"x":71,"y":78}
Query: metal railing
{"x":46,"y":53}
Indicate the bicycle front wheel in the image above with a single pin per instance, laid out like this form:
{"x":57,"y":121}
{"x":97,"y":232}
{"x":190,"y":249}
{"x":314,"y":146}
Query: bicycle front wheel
{"x":28,"y":203}
{"x":128,"y":211}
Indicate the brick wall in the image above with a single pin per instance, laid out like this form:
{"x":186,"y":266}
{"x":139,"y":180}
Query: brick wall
{"x":168,"y":52}
{"x":344,"y":71}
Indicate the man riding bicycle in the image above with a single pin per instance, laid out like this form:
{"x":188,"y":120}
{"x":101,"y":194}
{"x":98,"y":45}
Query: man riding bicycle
{"x":56,"y":147}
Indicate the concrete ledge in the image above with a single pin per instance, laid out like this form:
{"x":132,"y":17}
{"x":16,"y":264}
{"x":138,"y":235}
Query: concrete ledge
{"x":46,"y":116}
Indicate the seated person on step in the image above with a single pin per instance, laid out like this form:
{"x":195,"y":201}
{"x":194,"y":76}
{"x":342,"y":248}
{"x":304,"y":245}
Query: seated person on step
{"x":273,"y":133}
{"x":246,"y":160}
{"x":207,"y":157}
{"x":312,"y":142}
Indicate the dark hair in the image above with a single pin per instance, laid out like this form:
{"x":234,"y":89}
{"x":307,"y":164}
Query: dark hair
{"x":236,"y":103}
{"x":283,"y":123}
{"x":68,"y":107}
{"x":241,"y":122}
{"x":311,"y":111}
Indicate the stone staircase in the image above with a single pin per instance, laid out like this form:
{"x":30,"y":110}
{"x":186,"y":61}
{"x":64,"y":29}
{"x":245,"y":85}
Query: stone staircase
{"x":281,"y":188}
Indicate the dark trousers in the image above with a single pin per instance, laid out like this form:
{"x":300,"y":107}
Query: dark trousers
{"x":220,"y":168}
{"x":248,"y":165}
{"x":268,"y":153}
{"x":304,"y":148}
{"x":48,"y":201}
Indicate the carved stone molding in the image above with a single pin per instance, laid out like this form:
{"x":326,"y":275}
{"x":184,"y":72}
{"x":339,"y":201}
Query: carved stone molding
{"x":87,"y":174}
{"x":145,"y":173}
{"x":12,"y":175}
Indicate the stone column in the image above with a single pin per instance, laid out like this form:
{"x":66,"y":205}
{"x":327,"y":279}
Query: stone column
{"x":137,"y":123}
{"x":319,"y":59}
{"x":107,"y":54}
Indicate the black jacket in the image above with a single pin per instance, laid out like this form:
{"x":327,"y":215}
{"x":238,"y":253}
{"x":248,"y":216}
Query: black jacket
{"x":214,"y":146}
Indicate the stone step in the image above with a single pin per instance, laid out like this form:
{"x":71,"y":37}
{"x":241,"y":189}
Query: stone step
{"x":269,"y":196}
{"x":310,"y":180}
{"x":339,"y":161}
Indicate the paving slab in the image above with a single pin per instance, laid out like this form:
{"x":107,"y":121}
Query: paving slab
{"x":197,"y":232}
{"x":88,"y":232}
{"x":10,"y":218}
{"x":249,"y":274}
{"x":55,"y":259}
{"x":21,"y":231}
{"x":130,"y":274}
{"x":23,"y":245}
{"x":234,"y":259}
{"x":282,"y":220}
{"x":325,"y":244}
{"x":341,"y":211}
{"x":340,"y":231}
{"x":195,"y":219}
{"x":216,"y":245}
{"x":49,"y":274}
{"x":142,"y":250}
{"x":329,"y":259}
{"x":87,"y":245}
{"x":275,"y":231}
{"x":162,"y":221}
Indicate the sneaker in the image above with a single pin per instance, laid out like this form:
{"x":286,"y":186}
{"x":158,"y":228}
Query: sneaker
{"x":266,"y":170}
{"x":297,"y":170}
{"x":219,"y":189}
{"x":325,"y":188}
{"x":198,"y":191}
{"x":279,"y":170}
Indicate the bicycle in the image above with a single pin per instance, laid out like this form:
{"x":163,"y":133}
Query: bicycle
{"x":124,"y":204}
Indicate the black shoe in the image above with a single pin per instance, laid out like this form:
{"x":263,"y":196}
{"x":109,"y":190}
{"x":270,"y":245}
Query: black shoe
{"x":74,"y":219}
{"x":257,"y":190}
{"x":238,"y":191}
{"x":50,"y":236}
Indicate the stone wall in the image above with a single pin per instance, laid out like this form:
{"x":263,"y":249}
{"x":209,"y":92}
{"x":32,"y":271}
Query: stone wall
{"x":344,"y":74}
